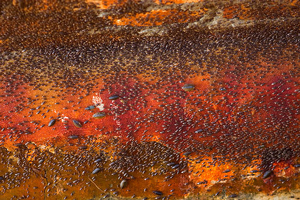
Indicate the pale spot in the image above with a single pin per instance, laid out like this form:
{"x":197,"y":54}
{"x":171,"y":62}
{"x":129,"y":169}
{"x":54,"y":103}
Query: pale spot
{"x":64,"y":119}
{"x":98,"y":102}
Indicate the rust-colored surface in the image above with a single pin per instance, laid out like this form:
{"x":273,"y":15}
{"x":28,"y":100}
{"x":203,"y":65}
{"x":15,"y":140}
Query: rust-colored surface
{"x":149,"y":99}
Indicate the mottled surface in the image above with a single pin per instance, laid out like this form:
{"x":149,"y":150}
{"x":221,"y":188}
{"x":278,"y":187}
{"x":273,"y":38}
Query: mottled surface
{"x":166,"y":99}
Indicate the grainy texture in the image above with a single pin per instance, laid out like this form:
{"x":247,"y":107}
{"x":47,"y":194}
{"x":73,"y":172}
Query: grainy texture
{"x":133,"y":99}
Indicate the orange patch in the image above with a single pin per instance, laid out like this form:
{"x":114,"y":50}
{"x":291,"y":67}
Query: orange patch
{"x":159,"y":17}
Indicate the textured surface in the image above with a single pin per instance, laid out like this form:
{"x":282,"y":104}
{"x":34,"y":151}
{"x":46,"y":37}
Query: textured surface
{"x":166,"y":99}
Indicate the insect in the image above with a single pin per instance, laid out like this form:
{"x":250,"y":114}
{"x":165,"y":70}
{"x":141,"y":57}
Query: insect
{"x":99,"y":115}
{"x":77,"y":123}
{"x":52,"y":122}
{"x":267,"y":174}
{"x":123,"y":184}
{"x":96,"y":171}
{"x":73,"y":136}
{"x":90,"y":108}
{"x":188,"y":87}
{"x":113,"y":97}
{"x":157,"y":192}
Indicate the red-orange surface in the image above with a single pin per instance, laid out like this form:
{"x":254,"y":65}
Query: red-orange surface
{"x":192,"y":100}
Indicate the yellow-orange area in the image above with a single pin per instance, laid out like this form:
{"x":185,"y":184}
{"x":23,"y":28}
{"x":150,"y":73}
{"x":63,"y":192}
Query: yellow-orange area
{"x":209,"y":173}
{"x":160,"y":17}
{"x":106,"y":4}
{"x":67,"y":172}
{"x":176,"y":1}
{"x":243,"y":8}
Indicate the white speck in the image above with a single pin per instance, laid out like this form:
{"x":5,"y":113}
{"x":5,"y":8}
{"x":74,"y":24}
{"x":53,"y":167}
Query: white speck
{"x":64,"y":119}
{"x":98,"y":102}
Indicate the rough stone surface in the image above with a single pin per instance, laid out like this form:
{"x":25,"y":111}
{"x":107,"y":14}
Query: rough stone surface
{"x":233,"y":134}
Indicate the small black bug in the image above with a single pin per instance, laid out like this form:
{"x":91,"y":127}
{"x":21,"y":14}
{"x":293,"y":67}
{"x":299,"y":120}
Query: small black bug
{"x":157,"y":192}
{"x":77,"y":123}
{"x":52,"y":122}
{"x":113,"y":97}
